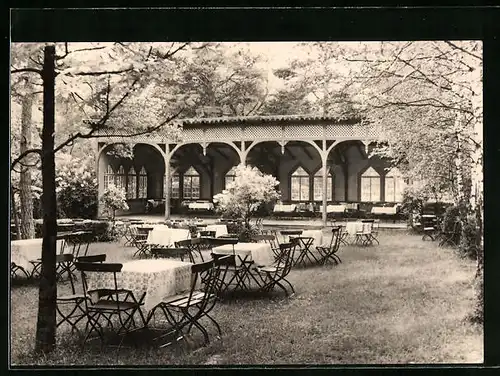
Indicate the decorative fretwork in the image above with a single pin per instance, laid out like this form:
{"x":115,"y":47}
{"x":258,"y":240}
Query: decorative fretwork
{"x":303,"y":131}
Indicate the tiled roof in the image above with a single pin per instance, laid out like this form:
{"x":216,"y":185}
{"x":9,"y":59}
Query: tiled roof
{"x":260,"y":119}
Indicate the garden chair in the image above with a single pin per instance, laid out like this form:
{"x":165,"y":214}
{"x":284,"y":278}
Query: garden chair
{"x":15,"y":269}
{"x":139,"y":240}
{"x":184,"y":311}
{"x":194,"y":246}
{"x":330,"y":252}
{"x":237,"y":271}
{"x":74,"y":300}
{"x":452,"y":237}
{"x":270,"y":239}
{"x":364,"y":236}
{"x":375,"y":228}
{"x":177,"y":253}
{"x":274,"y":275}
{"x":113,"y":303}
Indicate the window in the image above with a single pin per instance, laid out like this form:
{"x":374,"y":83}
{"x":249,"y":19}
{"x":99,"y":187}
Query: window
{"x":121,"y":178}
{"x":230,"y":176}
{"x":370,"y":186}
{"x":143,"y":183}
{"x":299,"y":185}
{"x":318,"y":186}
{"x":191,"y":182}
{"x":131,"y":183}
{"x":109,"y":176}
{"x":394,"y":186}
{"x":174,"y":186}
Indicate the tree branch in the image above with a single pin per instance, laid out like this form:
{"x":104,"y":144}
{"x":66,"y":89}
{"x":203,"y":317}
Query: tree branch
{"x":463,"y":50}
{"x":24,"y":154}
{"x":100,"y":73}
{"x":21,"y":70}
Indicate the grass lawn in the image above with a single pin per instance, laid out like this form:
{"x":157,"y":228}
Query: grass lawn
{"x":403,"y":301}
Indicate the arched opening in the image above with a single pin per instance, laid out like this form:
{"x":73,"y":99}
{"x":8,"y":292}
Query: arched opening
{"x":139,"y":175}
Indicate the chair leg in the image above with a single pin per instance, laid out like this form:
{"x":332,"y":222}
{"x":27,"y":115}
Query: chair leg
{"x":289,"y":284}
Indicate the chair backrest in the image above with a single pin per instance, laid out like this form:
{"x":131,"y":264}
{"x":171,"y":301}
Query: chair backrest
{"x":367,"y":227}
{"x":223,"y":241}
{"x":85,"y":267}
{"x":181,"y":253}
{"x":186,"y":243}
{"x":335,"y":241}
{"x":285,"y":261}
{"x":206,"y":274}
{"x":92,"y":258}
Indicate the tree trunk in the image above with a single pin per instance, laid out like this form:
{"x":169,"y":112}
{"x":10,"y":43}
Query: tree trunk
{"x":27,"y":230}
{"x":46,"y":324}
{"x":14,"y":211}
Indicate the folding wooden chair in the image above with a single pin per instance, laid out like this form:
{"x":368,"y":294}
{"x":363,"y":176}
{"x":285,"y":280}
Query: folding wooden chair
{"x":112,"y":303}
{"x":15,"y":269}
{"x":139,"y":240}
{"x":274,"y":275}
{"x":184,"y":311}
{"x":194,"y":246}
{"x":75,"y":301}
{"x":330,"y":252}
{"x":237,"y":272}
{"x":364,"y":236}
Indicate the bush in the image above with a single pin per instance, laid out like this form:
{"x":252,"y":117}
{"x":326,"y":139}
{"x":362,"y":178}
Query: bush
{"x":76,"y":188}
{"x":113,"y":199}
{"x":470,"y":240}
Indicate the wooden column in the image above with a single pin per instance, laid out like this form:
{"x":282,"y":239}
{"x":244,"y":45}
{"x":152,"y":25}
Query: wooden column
{"x":166,"y":193}
{"x":324,"y":157}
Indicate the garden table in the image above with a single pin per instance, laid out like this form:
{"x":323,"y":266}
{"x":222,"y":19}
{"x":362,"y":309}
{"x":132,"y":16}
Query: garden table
{"x":333,"y":208}
{"x":201,"y":206}
{"x":260,"y":253}
{"x":166,"y":237}
{"x":150,"y":280}
{"x":352,"y":228}
{"x":317,"y":236}
{"x":220,"y":230}
{"x":23,"y":251}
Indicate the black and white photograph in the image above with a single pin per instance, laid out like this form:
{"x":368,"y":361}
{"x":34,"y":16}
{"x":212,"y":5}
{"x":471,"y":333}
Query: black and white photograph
{"x":216,"y":203}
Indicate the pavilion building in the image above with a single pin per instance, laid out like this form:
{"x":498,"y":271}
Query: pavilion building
{"x":294,"y":149}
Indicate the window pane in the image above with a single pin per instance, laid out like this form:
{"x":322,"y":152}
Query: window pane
{"x":389,"y":189}
{"x":375,"y":189}
{"x":174,"y":193}
{"x":304,"y":189}
{"x":365,"y":189}
{"x":329,"y":190}
{"x":318,"y":188}
{"x":295,"y":185}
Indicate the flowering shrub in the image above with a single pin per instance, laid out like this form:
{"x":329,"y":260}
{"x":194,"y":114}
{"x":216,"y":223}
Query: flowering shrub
{"x":246,"y":193}
{"x":114,"y":199}
{"x":76,"y":187}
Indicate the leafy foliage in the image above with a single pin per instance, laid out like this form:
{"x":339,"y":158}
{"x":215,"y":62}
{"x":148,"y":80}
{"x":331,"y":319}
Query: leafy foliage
{"x":114,"y":199}
{"x":76,"y":187}
{"x":249,"y":190}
